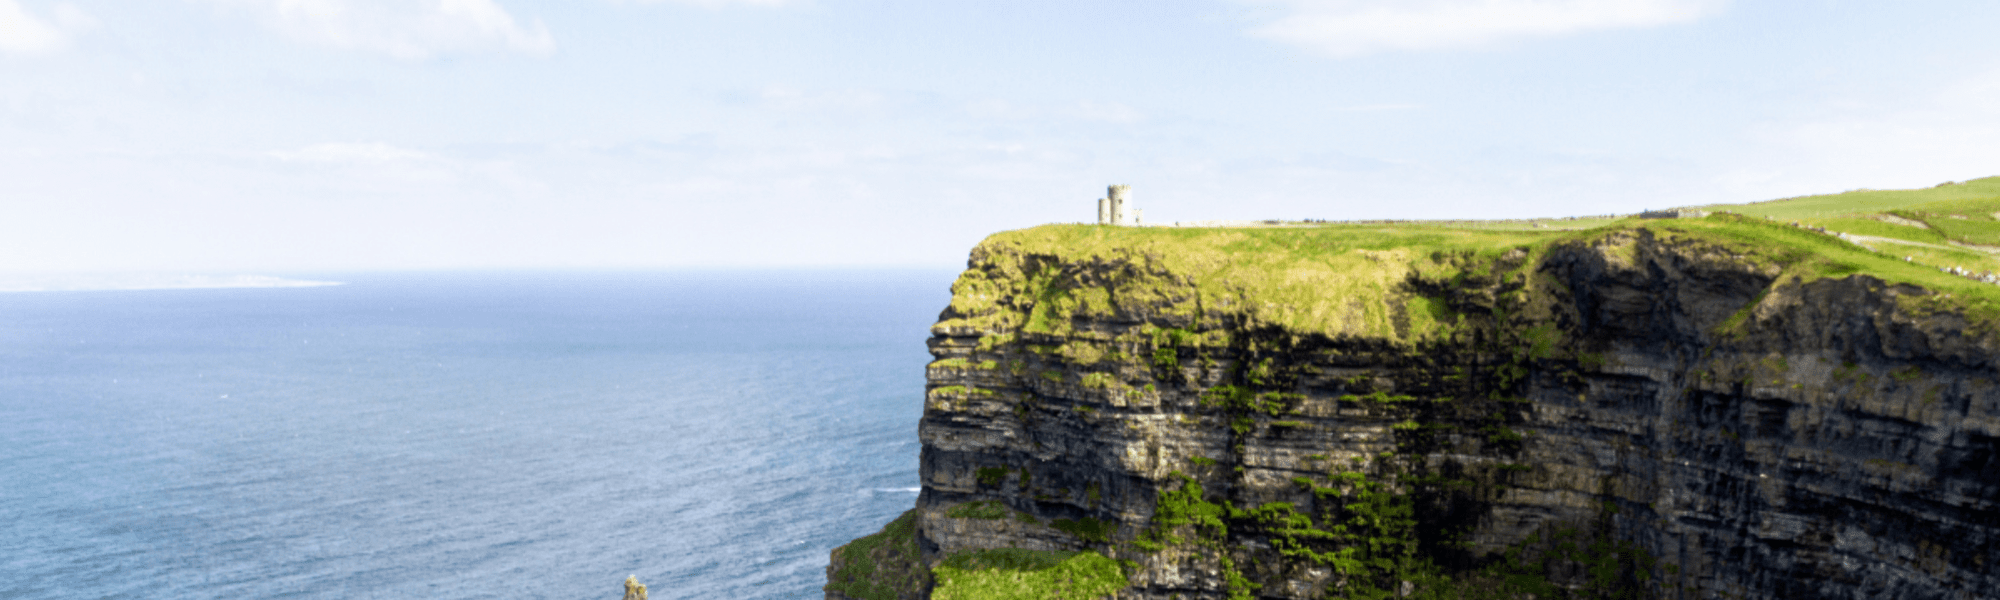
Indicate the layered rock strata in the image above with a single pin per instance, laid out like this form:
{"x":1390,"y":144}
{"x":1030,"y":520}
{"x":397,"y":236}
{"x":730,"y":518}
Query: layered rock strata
{"x":1630,"y":413}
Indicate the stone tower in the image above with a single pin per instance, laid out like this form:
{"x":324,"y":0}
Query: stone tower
{"x":1103,"y":211}
{"x":1117,"y":196}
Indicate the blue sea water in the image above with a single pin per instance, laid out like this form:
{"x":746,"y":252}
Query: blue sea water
{"x":458,"y":435}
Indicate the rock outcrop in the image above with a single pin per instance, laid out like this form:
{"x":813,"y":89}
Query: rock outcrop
{"x":1634,"y":412}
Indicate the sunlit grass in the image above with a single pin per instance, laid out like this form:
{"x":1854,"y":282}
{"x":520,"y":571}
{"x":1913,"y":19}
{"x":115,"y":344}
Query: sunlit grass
{"x":1865,"y":201}
{"x":1017,"y":574}
{"x":1354,"y":278}
{"x":1879,"y":228}
{"x":1338,"y":279}
{"x":1945,"y":226}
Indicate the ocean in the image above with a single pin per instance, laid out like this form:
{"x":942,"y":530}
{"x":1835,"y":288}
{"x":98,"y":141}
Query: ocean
{"x":459,"y":435}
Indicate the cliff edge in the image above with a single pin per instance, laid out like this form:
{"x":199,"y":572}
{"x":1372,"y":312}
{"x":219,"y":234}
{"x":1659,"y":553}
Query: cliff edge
{"x":1706,"y":408}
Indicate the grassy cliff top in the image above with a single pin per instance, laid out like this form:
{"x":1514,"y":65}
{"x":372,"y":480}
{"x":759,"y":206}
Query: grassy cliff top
{"x":1950,"y":225}
{"x":1336,"y":279}
{"x":1348,"y":278}
{"x":1966,"y":195}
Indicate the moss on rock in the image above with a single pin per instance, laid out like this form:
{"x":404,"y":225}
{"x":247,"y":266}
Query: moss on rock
{"x":885,"y":566}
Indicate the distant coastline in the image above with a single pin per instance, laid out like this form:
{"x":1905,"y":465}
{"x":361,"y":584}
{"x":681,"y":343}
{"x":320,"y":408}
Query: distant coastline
{"x":137,"y":282}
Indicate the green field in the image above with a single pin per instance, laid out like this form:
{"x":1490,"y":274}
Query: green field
{"x":1950,"y":225}
{"x":1334,"y":278}
{"x":1347,"y":278}
{"x":1953,"y":224}
{"x":1970,"y":195}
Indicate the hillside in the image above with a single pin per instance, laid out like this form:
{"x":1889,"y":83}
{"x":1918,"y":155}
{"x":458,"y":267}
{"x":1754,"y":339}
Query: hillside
{"x":1350,"y":279}
{"x":1951,"y":225}
{"x":1727,"y":406}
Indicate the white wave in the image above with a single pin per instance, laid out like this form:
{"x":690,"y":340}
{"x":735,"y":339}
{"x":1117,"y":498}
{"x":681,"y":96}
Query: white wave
{"x":910,"y":490}
{"x":104,"y":282}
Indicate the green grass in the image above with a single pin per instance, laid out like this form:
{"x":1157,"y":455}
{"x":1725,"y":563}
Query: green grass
{"x":1808,"y":256}
{"x":1353,"y":279}
{"x":1865,"y":201}
{"x":1087,"y":528}
{"x":983,"y":509}
{"x":878,"y":566}
{"x":1530,"y":225}
{"x":1334,"y":279}
{"x":992,"y":475}
{"x":1952,"y":216}
{"x":1098,"y":381}
{"x":1969,"y":227}
{"x":1017,"y":574}
{"x":1879,"y":228}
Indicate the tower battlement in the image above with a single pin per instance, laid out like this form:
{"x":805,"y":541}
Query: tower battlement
{"x":1111,"y":209}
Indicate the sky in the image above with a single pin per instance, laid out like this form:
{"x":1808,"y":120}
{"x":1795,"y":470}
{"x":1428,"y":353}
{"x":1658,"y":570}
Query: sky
{"x":298,"y":136}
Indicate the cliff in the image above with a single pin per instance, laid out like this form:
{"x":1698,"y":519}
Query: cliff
{"x":1708,"y":408}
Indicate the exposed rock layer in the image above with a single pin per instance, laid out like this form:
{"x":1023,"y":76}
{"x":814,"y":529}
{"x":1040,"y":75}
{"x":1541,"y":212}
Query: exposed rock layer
{"x":1756,"y":436}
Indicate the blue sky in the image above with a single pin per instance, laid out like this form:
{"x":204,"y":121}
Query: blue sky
{"x":315,"y":135}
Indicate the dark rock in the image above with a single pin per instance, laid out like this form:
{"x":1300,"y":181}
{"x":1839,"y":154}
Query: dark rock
{"x":1722,"y":432}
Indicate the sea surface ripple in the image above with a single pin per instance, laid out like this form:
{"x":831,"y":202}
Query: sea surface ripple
{"x":458,"y":435}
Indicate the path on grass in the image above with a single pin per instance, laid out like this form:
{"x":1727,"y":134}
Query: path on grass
{"x":1869,"y":238}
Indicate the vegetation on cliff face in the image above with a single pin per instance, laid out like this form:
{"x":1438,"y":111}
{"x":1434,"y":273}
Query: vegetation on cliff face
{"x":889,"y":566}
{"x":885,"y":566}
{"x":1016,"y":574}
{"x":1335,"y":280}
{"x":1338,"y":411}
{"x":1351,"y":280}
{"x":1803,"y":255}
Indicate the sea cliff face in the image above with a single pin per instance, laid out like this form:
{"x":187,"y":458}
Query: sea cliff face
{"x":1637,"y":412}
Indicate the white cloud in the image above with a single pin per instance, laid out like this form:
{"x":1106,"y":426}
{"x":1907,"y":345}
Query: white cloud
{"x":1344,"y":28}
{"x":375,"y":152}
{"x":1108,"y":112}
{"x":20,"y":282}
{"x":720,"y":3}
{"x":1375,"y":107}
{"x":402,"y":28}
{"x":794,"y":99}
{"x":1082,"y":110}
{"x":21,"y":32}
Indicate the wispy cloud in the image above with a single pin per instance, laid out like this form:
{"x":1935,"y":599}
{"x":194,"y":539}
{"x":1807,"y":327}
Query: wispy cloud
{"x":788,"y":98}
{"x":23,"y":33}
{"x":1082,"y":110}
{"x":341,"y":152}
{"x":1108,"y":112}
{"x":717,"y":3}
{"x":408,"y":29}
{"x":1375,"y":107}
{"x":1345,"y":28}
{"x":15,"y":282}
